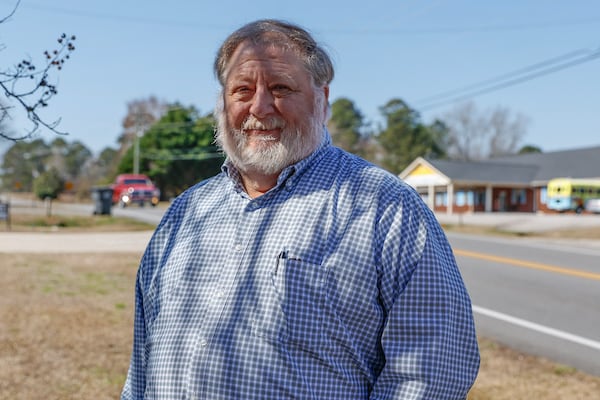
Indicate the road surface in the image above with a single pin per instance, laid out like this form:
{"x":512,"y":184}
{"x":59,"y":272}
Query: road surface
{"x":535,"y":296}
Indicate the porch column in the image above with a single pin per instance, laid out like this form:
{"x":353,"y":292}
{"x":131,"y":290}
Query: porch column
{"x":431,"y":197}
{"x":450,"y":199}
{"x":488,"y":198}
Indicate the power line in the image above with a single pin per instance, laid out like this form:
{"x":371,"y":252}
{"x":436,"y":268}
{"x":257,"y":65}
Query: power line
{"x":392,"y":31}
{"x":520,"y":71}
{"x":501,"y":82}
{"x":115,"y":17}
{"x":469,"y":29}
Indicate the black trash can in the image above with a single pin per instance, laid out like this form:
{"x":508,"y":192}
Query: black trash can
{"x":102,"y":197}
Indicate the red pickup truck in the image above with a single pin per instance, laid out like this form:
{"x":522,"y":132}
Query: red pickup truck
{"x":134,"y":188}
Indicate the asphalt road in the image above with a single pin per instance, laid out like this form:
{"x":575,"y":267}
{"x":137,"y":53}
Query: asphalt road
{"x":535,"y":296}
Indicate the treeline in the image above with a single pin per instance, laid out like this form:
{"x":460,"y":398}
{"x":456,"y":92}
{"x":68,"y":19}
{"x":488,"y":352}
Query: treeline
{"x":465,"y":133}
{"x":173,"y":145}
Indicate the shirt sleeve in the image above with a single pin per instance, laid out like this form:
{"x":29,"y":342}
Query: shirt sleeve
{"x":135,"y":384}
{"x":429,"y":339}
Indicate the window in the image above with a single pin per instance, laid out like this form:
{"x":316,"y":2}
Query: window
{"x":470,"y":198}
{"x":518,"y":196}
{"x":543,"y":195}
{"x":480,"y":198}
{"x":441,"y":199}
{"x":460,"y":198}
{"x":135,"y":182}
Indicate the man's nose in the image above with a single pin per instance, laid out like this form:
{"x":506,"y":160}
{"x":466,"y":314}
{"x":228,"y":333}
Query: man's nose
{"x":262,"y":103}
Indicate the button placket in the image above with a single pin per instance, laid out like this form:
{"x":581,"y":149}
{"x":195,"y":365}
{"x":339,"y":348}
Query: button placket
{"x":219,"y":297}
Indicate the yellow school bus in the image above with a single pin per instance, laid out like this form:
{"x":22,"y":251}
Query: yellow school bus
{"x":567,"y":194}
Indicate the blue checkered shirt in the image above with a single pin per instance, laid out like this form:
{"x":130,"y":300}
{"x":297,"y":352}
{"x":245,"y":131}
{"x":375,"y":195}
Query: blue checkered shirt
{"x":336,"y":284}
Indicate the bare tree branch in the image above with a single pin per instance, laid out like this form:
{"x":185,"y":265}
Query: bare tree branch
{"x":11,"y":13}
{"x":29,"y":89}
{"x":476,"y":135}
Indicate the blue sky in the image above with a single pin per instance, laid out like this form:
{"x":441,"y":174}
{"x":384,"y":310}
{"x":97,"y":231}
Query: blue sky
{"x":412,"y":50}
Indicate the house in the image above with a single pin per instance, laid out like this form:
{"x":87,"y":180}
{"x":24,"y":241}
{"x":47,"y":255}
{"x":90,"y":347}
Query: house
{"x":510,"y":183}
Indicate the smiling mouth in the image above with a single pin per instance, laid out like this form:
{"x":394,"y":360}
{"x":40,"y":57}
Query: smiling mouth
{"x":262,"y":136}
{"x":262,"y":132}
{"x":254,"y":126}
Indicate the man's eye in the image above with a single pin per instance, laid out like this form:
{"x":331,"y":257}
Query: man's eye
{"x":242,"y":92}
{"x":281,"y":90}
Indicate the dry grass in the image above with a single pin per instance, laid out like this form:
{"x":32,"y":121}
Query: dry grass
{"x":506,"y":374}
{"x":32,"y":222}
{"x":588,"y":233}
{"x":66,"y":325}
{"x":67,"y":322}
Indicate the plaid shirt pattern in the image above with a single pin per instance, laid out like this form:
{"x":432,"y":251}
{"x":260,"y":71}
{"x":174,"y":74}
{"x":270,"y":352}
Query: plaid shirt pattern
{"x":337,"y":284}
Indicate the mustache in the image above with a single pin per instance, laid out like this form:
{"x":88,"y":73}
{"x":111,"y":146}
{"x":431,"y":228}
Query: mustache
{"x":252,"y":122}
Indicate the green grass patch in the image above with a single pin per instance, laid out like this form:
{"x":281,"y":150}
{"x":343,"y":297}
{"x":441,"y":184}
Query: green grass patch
{"x":583,"y":233}
{"x":562,"y":370}
{"x":30,"y":222}
{"x":74,"y":282}
{"x":480,"y":230}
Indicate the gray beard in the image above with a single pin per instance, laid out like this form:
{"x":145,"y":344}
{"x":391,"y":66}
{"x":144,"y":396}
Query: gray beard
{"x":269,"y":157}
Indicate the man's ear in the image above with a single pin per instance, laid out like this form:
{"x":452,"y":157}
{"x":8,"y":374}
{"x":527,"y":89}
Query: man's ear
{"x":326,"y":103}
{"x":326,"y":93}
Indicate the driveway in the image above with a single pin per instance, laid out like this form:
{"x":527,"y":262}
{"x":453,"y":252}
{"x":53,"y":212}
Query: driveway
{"x":59,"y":242}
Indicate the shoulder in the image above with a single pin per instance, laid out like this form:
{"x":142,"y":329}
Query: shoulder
{"x":368,"y":177}
{"x":196,"y":195}
{"x":195,"y":198}
{"x":189,"y":201}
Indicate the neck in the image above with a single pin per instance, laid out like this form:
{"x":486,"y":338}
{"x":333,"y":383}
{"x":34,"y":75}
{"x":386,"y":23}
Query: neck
{"x":258,"y":184}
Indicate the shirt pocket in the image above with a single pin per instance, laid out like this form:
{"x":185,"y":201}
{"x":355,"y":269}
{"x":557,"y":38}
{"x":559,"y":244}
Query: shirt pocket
{"x":292,"y":306}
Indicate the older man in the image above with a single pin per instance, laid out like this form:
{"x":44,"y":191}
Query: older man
{"x":301,"y":271}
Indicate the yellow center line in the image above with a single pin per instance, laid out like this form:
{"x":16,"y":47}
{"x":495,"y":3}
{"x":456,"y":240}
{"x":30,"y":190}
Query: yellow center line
{"x":528,"y":264}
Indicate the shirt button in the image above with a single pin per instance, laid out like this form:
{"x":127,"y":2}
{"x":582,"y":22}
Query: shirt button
{"x":238,"y":248}
{"x":219,"y":294}
{"x":203,"y":342}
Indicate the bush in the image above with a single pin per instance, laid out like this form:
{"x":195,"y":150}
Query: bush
{"x":48,"y":184}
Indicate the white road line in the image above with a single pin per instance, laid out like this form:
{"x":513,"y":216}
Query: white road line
{"x":537,"y":327}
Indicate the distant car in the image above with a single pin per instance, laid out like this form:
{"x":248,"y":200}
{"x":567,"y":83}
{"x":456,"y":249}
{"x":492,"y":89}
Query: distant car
{"x":593,"y":206}
{"x":134,"y":189}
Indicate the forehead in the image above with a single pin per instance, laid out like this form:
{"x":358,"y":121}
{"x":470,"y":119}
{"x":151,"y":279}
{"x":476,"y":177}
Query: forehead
{"x":251,"y":59}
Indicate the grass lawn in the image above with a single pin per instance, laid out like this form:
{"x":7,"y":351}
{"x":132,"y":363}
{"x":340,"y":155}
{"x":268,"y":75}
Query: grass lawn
{"x":66,"y":325}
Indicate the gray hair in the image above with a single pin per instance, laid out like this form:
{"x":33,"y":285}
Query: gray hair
{"x":281,"y":34}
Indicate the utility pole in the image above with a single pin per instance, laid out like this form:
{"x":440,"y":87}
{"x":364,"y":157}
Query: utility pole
{"x":136,"y":150}
{"x":141,"y":119}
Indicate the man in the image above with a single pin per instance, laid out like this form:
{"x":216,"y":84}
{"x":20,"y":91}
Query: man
{"x":301,"y":271}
